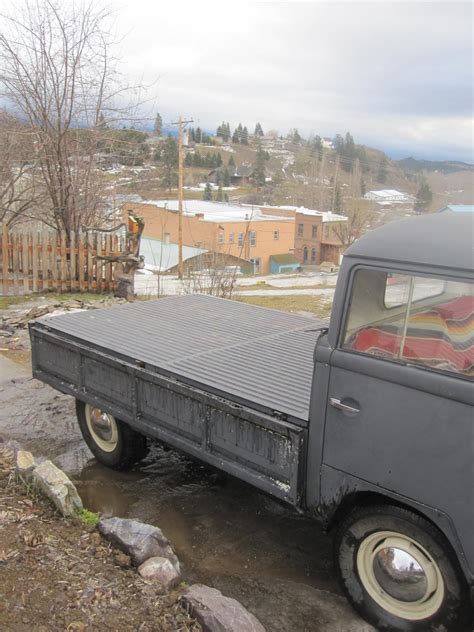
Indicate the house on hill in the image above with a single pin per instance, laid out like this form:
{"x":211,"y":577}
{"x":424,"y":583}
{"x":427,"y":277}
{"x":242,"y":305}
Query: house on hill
{"x":239,"y":176}
{"x":458,"y":208}
{"x":389,"y":196}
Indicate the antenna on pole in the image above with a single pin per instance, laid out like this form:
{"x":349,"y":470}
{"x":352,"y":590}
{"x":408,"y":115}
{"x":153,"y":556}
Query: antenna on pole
{"x":181,"y":123}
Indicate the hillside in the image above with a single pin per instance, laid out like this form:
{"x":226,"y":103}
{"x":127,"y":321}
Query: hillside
{"x":298,"y":175}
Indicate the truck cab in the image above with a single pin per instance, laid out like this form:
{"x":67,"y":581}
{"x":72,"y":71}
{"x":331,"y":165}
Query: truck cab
{"x":391,"y":420}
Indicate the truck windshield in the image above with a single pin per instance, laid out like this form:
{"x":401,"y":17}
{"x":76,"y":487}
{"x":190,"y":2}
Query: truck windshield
{"x":412,"y":319}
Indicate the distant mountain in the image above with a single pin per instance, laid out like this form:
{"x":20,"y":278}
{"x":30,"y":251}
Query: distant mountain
{"x":446,"y":166}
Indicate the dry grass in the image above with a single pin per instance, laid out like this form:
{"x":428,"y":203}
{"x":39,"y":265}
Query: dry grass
{"x":319,"y":306}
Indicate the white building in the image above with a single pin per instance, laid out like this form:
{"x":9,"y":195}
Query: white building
{"x":389,"y":196}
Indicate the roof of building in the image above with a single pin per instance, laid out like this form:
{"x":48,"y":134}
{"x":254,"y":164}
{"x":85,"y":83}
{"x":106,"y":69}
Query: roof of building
{"x":162,"y":257}
{"x":284,"y":259}
{"x":326,"y":216}
{"x":219,"y":212}
{"x":458,"y":208}
{"x":439,"y":239}
{"x":386,"y":194}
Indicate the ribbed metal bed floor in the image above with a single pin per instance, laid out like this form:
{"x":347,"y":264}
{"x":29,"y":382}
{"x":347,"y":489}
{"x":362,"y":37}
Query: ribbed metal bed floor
{"x":254,"y":356}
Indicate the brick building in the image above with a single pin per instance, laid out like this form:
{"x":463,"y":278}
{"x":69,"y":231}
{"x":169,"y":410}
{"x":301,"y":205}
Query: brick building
{"x":246,"y":232}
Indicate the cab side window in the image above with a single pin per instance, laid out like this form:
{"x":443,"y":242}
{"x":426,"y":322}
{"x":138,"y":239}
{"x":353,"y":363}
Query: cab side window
{"x":412,"y":319}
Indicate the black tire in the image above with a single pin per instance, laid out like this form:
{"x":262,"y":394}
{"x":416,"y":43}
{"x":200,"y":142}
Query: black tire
{"x":129,"y":447}
{"x":357,"y":538}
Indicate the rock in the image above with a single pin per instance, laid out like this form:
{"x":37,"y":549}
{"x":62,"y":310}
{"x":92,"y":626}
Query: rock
{"x":217,"y":613}
{"x":161,"y":570}
{"x":54,"y":483}
{"x":137,"y":539}
{"x":121,"y":559}
{"x":25,"y":464}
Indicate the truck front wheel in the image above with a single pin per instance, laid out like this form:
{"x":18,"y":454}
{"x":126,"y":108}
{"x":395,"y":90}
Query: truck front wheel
{"x":399,"y":572}
{"x":111,"y":441}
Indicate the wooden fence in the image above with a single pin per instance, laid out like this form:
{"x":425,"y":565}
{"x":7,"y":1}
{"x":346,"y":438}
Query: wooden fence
{"x":40,"y":261}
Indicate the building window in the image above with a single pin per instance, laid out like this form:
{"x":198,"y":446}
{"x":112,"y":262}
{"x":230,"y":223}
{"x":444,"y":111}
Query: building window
{"x":253,"y":238}
{"x":300,"y":230}
{"x":314,"y":232}
{"x":276,"y":234}
{"x":313,"y":254}
{"x":305,"y":255}
{"x":167,"y":238}
{"x":241,"y":239}
{"x":231,"y":238}
{"x":221,"y":237}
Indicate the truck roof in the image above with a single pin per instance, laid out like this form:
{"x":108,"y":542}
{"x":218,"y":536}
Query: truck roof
{"x":441,"y":240}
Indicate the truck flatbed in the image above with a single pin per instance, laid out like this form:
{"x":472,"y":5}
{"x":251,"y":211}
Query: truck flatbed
{"x":257,"y":357}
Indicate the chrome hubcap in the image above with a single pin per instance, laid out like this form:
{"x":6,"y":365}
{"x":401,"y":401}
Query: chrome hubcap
{"x":102,"y":427}
{"x":400,"y":575}
{"x":101,"y":424}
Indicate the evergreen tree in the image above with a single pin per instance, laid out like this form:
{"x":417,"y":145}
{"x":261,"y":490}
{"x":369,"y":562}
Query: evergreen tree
{"x":295,"y":136}
{"x":338,"y":200}
{"x":226,"y":178}
{"x":218,"y":177}
{"x":207,"y":195}
{"x":317,"y":146}
{"x":231,"y":162}
{"x":363,"y":187}
{"x":219,"y":131}
{"x":236,"y":136}
{"x":348,"y":153}
{"x":188,"y":161}
{"x":338,"y":143}
{"x":169,"y":159}
{"x":424,"y":197}
{"x":219,"y":195}
{"x":244,"y":139}
{"x":158,"y":124}
{"x":219,"y":160}
{"x":382,"y":172}
{"x":227,"y":131}
{"x":157,"y":155}
{"x":258,"y":130}
{"x":198,"y":135}
{"x":259,"y":171}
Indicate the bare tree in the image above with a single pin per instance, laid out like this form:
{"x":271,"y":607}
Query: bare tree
{"x":59,"y":74}
{"x":357,"y":220}
{"x":18,"y":185}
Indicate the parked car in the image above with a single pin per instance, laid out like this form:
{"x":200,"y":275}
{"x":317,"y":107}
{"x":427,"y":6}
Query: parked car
{"x":367,"y":424}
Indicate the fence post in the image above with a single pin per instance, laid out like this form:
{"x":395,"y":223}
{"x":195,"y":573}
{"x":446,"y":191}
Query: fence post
{"x":5,"y":274}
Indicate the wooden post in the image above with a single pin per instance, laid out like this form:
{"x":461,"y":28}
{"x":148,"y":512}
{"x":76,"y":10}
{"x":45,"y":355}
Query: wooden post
{"x":15,"y":263}
{"x":64,"y":266}
{"x":81,"y":257}
{"x":72,"y":262}
{"x":45,"y":259}
{"x":5,"y":273}
{"x":34,"y":259}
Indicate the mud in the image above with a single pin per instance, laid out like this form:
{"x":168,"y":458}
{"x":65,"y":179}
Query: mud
{"x":226,"y":534}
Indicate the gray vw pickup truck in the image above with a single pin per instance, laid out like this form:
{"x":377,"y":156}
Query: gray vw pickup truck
{"x":367,"y":424}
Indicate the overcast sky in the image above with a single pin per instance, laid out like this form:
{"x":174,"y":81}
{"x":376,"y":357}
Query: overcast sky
{"x":397,"y":75}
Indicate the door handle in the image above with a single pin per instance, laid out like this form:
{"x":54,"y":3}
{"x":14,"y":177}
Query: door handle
{"x":336,"y":403}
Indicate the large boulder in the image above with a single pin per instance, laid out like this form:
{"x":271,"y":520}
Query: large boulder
{"x":161,"y":570}
{"x":54,"y":483}
{"x":137,"y":539}
{"x":217,"y":613}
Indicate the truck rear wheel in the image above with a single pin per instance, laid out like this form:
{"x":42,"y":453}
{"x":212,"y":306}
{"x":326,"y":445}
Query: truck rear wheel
{"x":110,"y":440}
{"x":399,"y":572}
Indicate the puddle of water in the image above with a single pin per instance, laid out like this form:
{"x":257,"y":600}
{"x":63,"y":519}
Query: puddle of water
{"x":217,"y":524}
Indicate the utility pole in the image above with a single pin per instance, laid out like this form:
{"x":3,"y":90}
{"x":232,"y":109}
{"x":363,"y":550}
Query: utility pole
{"x":336,"y":173}
{"x":181,"y":123}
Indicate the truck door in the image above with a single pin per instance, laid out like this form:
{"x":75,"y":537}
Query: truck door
{"x":399,"y":410}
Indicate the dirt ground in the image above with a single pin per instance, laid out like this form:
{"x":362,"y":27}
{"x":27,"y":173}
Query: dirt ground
{"x":58,"y":574}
